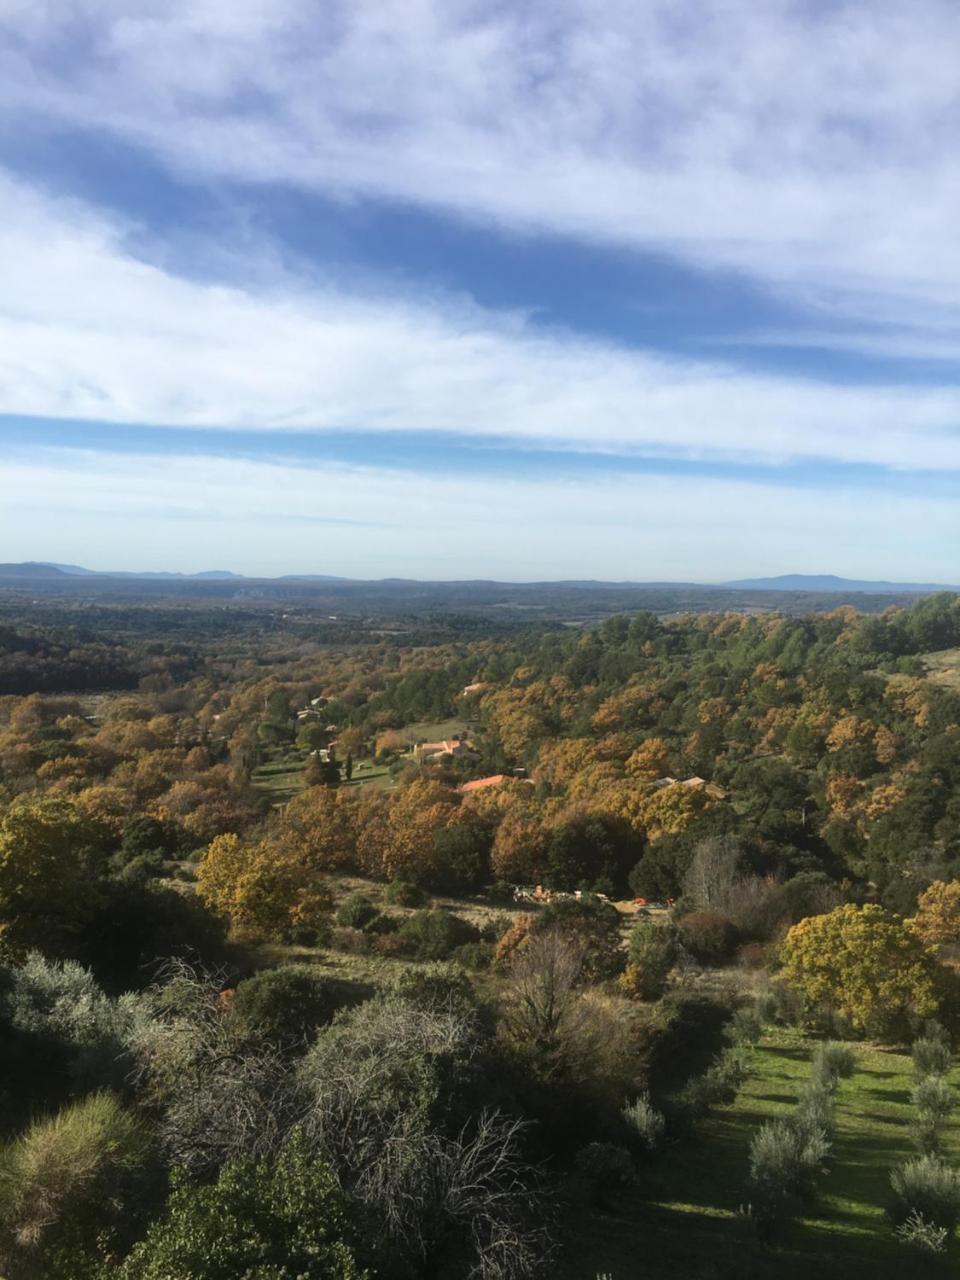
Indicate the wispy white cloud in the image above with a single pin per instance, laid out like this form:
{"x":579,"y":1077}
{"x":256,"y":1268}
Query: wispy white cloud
{"x":812,"y":146}
{"x":88,"y":331}
{"x":269,"y":518}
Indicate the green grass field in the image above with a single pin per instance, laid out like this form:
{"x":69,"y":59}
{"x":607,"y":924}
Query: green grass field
{"x":432,"y":731}
{"x":685,"y":1222}
{"x":280,"y":773}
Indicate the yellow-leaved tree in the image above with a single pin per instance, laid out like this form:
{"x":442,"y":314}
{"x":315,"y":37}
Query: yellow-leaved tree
{"x":265,"y":892}
{"x":938,"y":914}
{"x":866,"y":964}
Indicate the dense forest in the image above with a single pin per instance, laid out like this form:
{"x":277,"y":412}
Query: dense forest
{"x":395,"y":945}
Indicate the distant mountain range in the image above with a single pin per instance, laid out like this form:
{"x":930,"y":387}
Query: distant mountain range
{"x":830,"y":582}
{"x":818,"y":584}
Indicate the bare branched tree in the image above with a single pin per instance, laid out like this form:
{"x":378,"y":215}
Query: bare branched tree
{"x":715,"y":867}
{"x":218,"y":1096}
{"x":543,"y":1009}
{"x":375,"y":1082}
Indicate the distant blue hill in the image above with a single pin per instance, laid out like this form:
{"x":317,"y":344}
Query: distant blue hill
{"x":830,"y":582}
{"x":77,"y":571}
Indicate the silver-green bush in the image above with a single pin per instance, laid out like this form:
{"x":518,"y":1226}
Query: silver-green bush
{"x":929,"y":1187}
{"x":645,"y":1122}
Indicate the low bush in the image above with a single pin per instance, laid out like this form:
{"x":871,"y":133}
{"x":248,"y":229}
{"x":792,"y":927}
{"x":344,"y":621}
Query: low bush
{"x":933,"y":1099}
{"x":745,"y":1027}
{"x":652,"y":952}
{"x":387,"y":944}
{"x":815,"y":1108}
{"x":931,"y":1052}
{"x":785,"y":1161}
{"x":709,"y":937}
{"x":352,"y":940}
{"x":645,"y":1123}
{"x":284,"y":1006}
{"x":922,"y":1236}
{"x":474,"y":955}
{"x":401,"y":893}
{"x":603,"y":1174}
{"x":493,"y":929}
{"x":78,"y":1173}
{"x":752,"y":955}
{"x":832,"y":1062}
{"x":501,"y":892}
{"x":435,"y":935}
{"x":356,"y":912}
{"x":928,"y":1187}
{"x":436,"y":986}
{"x":719,"y":1084}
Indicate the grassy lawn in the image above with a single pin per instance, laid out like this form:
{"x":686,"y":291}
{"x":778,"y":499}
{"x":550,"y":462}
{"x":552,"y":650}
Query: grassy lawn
{"x":280,"y":773}
{"x":427,"y":731}
{"x":368,"y":774}
{"x":685,"y":1221}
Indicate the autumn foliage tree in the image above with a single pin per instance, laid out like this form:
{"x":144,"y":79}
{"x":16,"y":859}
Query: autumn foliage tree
{"x":864,"y":963}
{"x":938,"y":914}
{"x":264,"y":891}
{"x":52,"y":860}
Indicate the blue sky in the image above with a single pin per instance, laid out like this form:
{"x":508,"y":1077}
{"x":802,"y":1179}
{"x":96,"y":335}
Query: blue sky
{"x":666,"y":289}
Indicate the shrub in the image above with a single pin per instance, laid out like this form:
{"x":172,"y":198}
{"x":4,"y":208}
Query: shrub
{"x":815,"y":1106}
{"x":785,"y":1159}
{"x":602,"y":1174}
{"x":931,"y":1052}
{"x":60,"y":1006}
{"x":356,"y":912}
{"x":387,"y":944}
{"x":353,"y":940}
{"x":78,"y":1170}
{"x":925,"y":1237}
{"x":436,"y":986}
{"x":718,"y":1085}
{"x":284,"y":1005}
{"x":832,"y":1062}
{"x":933,"y":1097}
{"x":272,"y":1219}
{"x":934,"y":1100}
{"x":501,"y":892}
{"x":593,"y":924}
{"x":652,"y":952}
{"x":492,"y":930}
{"x":745,"y":1027}
{"x":928,"y":1187}
{"x":513,"y":941}
{"x":474,"y":955}
{"x":709,"y":937}
{"x":435,"y":935}
{"x":645,"y":1122}
{"x":401,"y":893}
